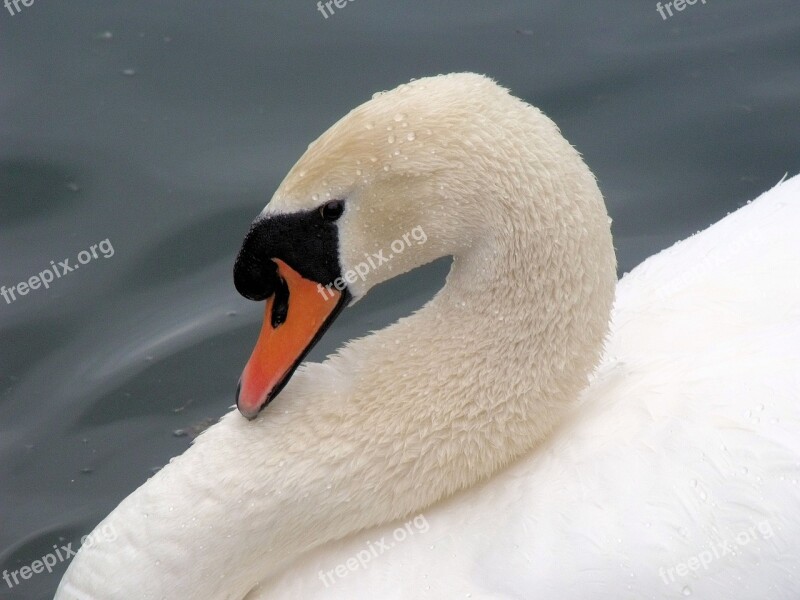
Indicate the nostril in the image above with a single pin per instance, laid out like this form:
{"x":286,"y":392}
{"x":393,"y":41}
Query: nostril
{"x":280,"y":305}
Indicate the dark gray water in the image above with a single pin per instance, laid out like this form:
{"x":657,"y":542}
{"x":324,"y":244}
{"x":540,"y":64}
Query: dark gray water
{"x":163,"y":127}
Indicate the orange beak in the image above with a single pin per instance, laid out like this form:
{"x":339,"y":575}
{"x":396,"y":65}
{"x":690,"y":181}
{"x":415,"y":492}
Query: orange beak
{"x":295,"y":317}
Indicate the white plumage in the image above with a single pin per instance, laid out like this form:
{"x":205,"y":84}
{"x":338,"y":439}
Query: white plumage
{"x":685,"y":449}
{"x":675,"y":474}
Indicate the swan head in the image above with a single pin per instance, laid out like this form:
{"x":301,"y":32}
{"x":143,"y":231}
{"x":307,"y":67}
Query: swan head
{"x":443,"y":166}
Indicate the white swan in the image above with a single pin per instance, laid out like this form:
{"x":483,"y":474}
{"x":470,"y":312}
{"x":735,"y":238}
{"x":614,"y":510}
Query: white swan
{"x":675,"y":472}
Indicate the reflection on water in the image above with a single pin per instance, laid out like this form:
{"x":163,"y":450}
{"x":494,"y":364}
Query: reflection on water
{"x":165,"y":128}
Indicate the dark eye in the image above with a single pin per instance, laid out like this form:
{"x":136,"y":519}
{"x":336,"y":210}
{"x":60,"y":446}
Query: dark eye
{"x":332,"y":210}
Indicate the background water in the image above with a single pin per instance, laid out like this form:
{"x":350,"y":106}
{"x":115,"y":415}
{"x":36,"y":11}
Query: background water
{"x":165,"y":125}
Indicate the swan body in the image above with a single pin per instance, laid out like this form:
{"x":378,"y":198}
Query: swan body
{"x":469,"y":425}
{"x":677,"y":475}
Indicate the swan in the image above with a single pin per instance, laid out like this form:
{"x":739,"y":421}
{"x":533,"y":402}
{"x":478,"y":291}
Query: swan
{"x":536,"y":430}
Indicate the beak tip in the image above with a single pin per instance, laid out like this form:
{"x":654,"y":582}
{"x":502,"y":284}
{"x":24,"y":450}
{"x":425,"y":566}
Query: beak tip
{"x":248,"y":413}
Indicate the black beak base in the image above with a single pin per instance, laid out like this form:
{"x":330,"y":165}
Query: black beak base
{"x":304,"y":240}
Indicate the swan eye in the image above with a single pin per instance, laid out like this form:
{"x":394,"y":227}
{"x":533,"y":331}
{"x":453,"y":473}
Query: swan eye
{"x":332,"y":210}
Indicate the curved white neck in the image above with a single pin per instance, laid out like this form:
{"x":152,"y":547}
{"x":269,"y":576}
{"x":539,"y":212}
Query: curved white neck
{"x":394,"y":421}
